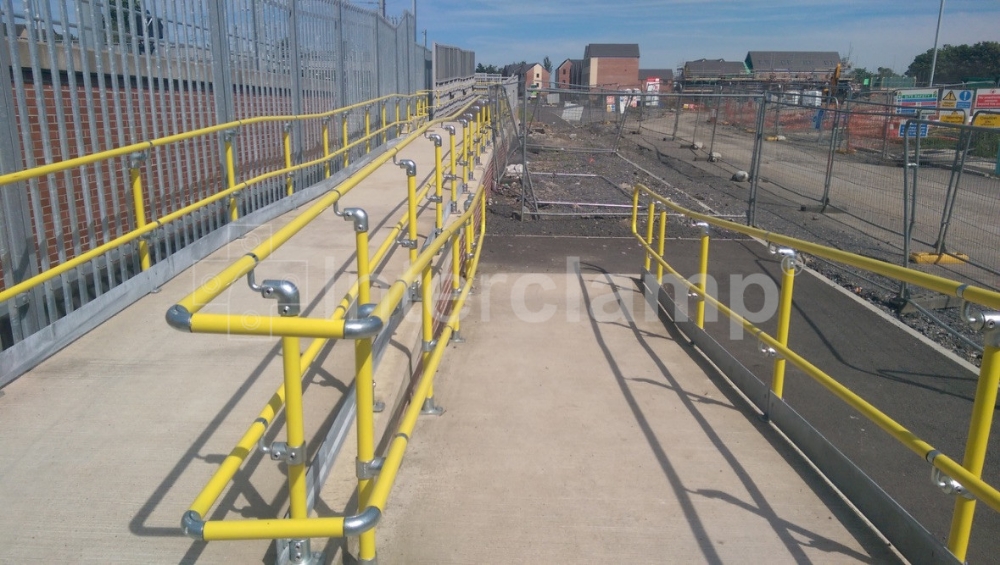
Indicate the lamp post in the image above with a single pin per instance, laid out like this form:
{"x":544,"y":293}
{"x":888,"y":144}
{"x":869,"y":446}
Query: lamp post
{"x":936,"y":34}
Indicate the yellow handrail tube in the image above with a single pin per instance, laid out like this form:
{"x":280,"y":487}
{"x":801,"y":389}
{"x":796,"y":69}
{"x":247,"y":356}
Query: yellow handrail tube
{"x":295,"y":428}
{"x":784,"y":322}
{"x":661,"y":241}
{"x":286,"y":138}
{"x":975,"y":448}
{"x":234,"y":212}
{"x":968,"y":475}
{"x":139,"y":205}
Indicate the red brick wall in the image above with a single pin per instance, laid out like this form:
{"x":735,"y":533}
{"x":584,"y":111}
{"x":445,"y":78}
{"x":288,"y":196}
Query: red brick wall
{"x":615,"y":72}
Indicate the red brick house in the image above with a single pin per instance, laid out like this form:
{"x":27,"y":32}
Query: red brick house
{"x":611,"y":65}
{"x":570,"y":74}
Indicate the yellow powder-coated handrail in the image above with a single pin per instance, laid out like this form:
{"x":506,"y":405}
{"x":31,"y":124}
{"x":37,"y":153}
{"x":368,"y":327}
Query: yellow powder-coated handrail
{"x":977,"y":295}
{"x":230,"y":466}
{"x":212,"y":288}
{"x":149,"y":227}
{"x":397,"y":448}
{"x":953,"y":469}
{"x":124,"y":150}
{"x":215,"y":530}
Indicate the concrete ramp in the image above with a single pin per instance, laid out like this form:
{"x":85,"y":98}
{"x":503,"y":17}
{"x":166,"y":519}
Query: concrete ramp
{"x":579,"y":430}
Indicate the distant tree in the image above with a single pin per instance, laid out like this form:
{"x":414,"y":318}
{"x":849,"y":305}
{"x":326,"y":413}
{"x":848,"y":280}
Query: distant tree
{"x":547,"y":64}
{"x":487,"y":69}
{"x":956,"y":63}
{"x":861,"y":74}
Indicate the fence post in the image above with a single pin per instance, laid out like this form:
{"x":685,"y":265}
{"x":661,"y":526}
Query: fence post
{"x":296,"y":66}
{"x":222,"y":91}
{"x":20,"y":260}
{"x":755,"y":160}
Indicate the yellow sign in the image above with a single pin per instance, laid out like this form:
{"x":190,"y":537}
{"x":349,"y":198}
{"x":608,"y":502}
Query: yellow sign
{"x":953,"y":117}
{"x":987,"y":120}
{"x":950,"y":97}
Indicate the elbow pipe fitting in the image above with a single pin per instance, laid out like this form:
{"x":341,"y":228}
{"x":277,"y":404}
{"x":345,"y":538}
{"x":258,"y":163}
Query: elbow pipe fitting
{"x":193,"y":525}
{"x":409,"y":165}
{"x":361,"y":523}
{"x":464,"y":122}
{"x":359,"y":217}
{"x":435,"y":138}
{"x":179,"y":318}
{"x":450,"y":129}
{"x":361,"y":328}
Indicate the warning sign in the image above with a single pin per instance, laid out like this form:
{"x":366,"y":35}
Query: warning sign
{"x":952,"y":117}
{"x":949,"y":99}
{"x":988,"y":99}
{"x":987,"y":120}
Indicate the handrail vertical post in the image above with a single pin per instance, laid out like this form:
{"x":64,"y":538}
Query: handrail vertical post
{"x":385,"y":135}
{"x":438,"y":186}
{"x":326,"y":148}
{"x":650,"y":220}
{"x":227,"y":140}
{"x":660,"y":246}
{"x":702,"y":275}
{"x":976,"y":445}
{"x":427,"y":332}
{"x":397,"y":117}
{"x":451,"y":174}
{"x":788,"y":271}
{"x":291,"y":362}
{"x":411,"y":207}
{"x":368,"y":130}
{"x":139,"y":203}
{"x":364,"y":389}
{"x":286,"y":139}
{"x":344,"y":135}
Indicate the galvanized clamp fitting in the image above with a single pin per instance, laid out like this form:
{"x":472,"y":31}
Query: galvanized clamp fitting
{"x":703,"y":226}
{"x":286,"y":127}
{"x":435,"y":138}
{"x":406,"y":243}
{"x":765,"y":349}
{"x":300,"y":552}
{"x":409,"y":165}
{"x":428,"y":346}
{"x":136,"y":158}
{"x":696,"y":296}
{"x":434,"y":198}
{"x":230,"y":134}
{"x":369,"y":469}
{"x":450,"y":129}
{"x":789,"y":258}
{"x":358,"y":216}
{"x":281,"y":451}
{"x":949,"y":485}
{"x":285,"y":292}
{"x":986,"y":322}
{"x":454,"y":207}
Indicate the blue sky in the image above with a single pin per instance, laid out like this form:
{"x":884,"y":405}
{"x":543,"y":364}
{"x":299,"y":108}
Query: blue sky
{"x":888,"y":33}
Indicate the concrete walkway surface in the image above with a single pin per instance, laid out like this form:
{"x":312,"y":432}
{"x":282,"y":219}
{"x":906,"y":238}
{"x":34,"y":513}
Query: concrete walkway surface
{"x":579,"y":430}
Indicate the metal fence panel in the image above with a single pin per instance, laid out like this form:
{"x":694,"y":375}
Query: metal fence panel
{"x":93,"y":75}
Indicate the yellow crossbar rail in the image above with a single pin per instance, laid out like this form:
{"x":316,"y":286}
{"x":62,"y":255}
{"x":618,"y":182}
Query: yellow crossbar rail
{"x":372,"y":494}
{"x":143,"y":228}
{"x":967,"y":474}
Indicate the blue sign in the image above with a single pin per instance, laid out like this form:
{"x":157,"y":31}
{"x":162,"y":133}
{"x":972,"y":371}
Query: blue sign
{"x":964,"y":100}
{"x":912,"y":131}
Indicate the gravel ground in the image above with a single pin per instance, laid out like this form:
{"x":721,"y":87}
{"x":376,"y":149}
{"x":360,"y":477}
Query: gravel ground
{"x":675,"y":172}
